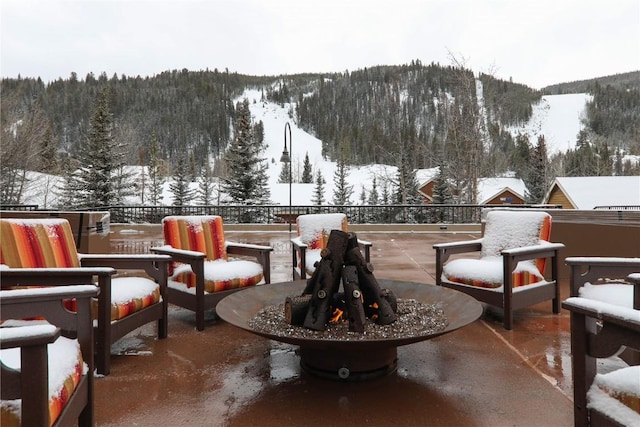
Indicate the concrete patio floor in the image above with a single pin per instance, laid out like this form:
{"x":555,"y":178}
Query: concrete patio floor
{"x":480,"y":375}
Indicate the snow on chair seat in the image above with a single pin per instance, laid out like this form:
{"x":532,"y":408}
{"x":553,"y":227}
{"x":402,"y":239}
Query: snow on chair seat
{"x":617,"y":394}
{"x":65,"y":363}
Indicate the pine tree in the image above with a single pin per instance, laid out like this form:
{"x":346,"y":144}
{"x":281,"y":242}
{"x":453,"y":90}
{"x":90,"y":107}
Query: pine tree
{"x":284,"y":176}
{"x":205,"y":186}
{"x":441,"y":195}
{"x":246,"y":181}
{"x":342,"y":189}
{"x":537,"y":180}
{"x":363,"y":195}
{"x":182,"y":193}
{"x":155,"y":178}
{"x":307,"y":174}
{"x":318,"y":191}
{"x":441,"y":192}
{"x":100,"y":160}
{"x":406,"y":184}
{"x":373,"y":194}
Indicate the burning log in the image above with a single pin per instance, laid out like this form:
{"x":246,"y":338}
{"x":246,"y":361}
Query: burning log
{"x":353,"y":299}
{"x":380,"y":303}
{"x":295,"y":309}
{"x":325,"y":281}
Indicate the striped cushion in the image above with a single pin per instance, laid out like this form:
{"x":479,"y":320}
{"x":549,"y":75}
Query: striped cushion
{"x":49,"y":243}
{"x":37,"y":243}
{"x":205,"y":234}
{"x":66,"y":367}
{"x":504,"y":230}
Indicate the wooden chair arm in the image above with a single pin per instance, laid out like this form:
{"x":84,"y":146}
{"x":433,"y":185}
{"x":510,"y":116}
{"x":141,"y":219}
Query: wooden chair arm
{"x":28,"y":336}
{"x":155,"y":265}
{"x":12,"y":277}
{"x":546,"y":250}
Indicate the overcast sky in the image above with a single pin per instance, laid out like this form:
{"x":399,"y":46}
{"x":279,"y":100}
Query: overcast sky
{"x":534,"y":42}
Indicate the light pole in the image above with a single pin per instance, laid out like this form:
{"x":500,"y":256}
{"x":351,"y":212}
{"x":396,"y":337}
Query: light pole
{"x":286,"y":158}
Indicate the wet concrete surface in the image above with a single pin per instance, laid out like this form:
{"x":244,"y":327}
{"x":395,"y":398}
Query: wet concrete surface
{"x":480,"y":375}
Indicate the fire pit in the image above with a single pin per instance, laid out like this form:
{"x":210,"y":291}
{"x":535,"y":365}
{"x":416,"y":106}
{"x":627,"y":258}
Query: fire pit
{"x":352,"y":359}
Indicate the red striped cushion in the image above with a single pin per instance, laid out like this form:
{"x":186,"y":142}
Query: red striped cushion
{"x":37,"y":243}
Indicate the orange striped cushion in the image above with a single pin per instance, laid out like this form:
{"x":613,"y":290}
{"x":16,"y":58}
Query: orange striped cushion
{"x":196,"y":233}
{"x":37,"y":243}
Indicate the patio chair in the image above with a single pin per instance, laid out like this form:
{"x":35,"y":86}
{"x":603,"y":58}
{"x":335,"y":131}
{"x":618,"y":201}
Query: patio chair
{"x":312,"y":234}
{"x":46,"y":365}
{"x":509,"y":269}
{"x":606,"y":392}
{"x":123,"y":303}
{"x":202,"y":273}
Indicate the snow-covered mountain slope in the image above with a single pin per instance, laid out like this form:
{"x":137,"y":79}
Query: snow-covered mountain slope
{"x":557,"y":117}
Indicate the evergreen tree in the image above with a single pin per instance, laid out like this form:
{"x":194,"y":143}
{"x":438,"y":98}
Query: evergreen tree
{"x":342,"y":189}
{"x":246,"y":181}
{"x":205,"y":190}
{"x":363,"y":195}
{"x":182,"y":193}
{"x":100,"y":160}
{"x":537,"y":180}
{"x":441,"y":190}
{"x":318,"y":191}
{"x":406,"y":184}
{"x":153,"y":166}
{"x":373,"y":194}
{"x":285,"y":176}
{"x":441,"y":195}
{"x":307,"y":174}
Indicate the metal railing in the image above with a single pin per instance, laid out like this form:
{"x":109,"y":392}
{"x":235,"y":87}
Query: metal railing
{"x":277,"y":214}
{"x":618,"y":208}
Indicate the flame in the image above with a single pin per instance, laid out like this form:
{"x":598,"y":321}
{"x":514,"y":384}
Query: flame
{"x":336,"y":316}
{"x":375,"y":307}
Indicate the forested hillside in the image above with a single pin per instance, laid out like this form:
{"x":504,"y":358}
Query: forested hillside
{"x":411,"y":116}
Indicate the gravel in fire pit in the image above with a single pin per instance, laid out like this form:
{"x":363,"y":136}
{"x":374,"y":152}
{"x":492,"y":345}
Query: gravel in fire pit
{"x":414,"y":319}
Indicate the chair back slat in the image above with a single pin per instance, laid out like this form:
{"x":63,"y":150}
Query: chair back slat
{"x":37,"y":243}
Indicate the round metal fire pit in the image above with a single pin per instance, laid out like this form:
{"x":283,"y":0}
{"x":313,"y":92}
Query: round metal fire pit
{"x":349,"y":359}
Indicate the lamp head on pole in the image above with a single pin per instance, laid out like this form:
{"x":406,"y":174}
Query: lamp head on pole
{"x":286,"y":158}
